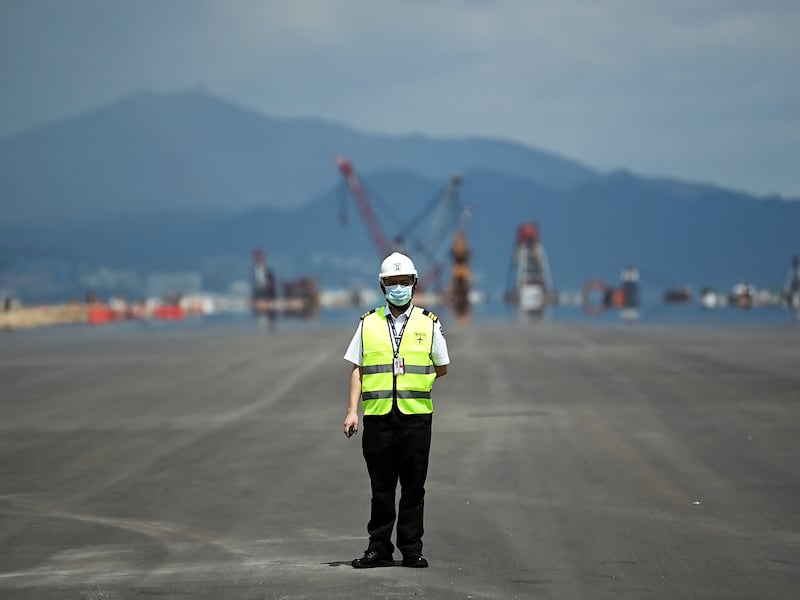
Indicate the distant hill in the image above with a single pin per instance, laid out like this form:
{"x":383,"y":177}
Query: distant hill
{"x":189,"y":182}
{"x":194,"y":151}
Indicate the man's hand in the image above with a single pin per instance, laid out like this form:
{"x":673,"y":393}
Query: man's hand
{"x":350,"y":424}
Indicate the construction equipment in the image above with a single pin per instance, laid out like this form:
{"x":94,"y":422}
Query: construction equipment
{"x":443,"y":215}
{"x":437,"y":220}
{"x":681,"y":294}
{"x":743,"y":295}
{"x":625,"y":297}
{"x":300,"y":297}
{"x":529,"y":287}
{"x":360,"y":195}
{"x":460,"y":282}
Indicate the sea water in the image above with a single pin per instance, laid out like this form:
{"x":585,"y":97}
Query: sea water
{"x":486,"y":314}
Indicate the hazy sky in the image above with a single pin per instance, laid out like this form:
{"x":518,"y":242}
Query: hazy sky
{"x":704,"y":90}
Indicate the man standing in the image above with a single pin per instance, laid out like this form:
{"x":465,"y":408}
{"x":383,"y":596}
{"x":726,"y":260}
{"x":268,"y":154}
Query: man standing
{"x":397,"y":352}
{"x":264,"y":288}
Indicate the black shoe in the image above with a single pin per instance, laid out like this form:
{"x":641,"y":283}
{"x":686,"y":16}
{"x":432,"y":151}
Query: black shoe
{"x":415,"y":561}
{"x":373,"y":559}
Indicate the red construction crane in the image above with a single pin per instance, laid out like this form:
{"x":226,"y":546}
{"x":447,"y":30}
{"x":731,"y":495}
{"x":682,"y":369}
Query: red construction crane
{"x":441,"y":216}
{"x":375,"y":230}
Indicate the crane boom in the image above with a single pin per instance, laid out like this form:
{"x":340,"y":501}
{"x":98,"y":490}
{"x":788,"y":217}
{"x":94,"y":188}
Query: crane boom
{"x":449,"y":210}
{"x":440,"y":215}
{"x":375,"y":230}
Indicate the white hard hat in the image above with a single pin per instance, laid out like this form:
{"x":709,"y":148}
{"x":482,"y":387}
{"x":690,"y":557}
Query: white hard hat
{"x":397,"y":264}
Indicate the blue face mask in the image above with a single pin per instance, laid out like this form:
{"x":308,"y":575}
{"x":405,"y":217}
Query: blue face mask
{"x":399,"y":295}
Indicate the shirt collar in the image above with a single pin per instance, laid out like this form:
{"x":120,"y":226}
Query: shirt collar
{"x":388,"y":313}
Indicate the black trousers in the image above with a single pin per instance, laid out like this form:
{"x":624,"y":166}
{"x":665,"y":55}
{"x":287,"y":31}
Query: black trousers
{"x":396,"y":448}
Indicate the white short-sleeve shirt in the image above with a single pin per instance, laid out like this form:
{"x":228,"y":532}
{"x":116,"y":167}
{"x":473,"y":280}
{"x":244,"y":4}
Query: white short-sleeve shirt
{"x":439,"y":354}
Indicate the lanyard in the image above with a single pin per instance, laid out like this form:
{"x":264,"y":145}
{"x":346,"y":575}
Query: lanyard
{"x":395,"y":337}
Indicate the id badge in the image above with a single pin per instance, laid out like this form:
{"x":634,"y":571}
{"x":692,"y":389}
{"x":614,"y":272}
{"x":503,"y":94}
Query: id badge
{"x":399,"y":366}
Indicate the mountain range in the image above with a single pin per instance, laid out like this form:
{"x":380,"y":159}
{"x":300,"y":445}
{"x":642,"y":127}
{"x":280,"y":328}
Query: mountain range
{"x":191,"y":182}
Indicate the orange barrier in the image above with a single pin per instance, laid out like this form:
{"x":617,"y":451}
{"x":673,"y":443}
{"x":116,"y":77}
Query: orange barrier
{"x":168,"y":311}
{"x":100,"y":314}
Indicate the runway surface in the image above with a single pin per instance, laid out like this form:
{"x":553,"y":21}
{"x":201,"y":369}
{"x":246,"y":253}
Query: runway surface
{"x":568,"y":462}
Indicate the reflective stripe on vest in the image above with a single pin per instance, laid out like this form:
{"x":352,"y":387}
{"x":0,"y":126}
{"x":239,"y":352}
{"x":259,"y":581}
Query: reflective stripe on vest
{"x":377,"y":371}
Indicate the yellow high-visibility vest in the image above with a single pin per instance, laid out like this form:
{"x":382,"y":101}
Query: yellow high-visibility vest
{"x":378,"y":382}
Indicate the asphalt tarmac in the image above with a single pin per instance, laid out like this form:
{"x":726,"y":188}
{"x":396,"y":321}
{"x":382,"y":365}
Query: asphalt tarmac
{"x":568,"y":462}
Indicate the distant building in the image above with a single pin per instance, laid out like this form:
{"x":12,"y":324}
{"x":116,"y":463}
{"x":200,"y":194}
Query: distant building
{"x":163,"y":284}
{"x":106,"y":280}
